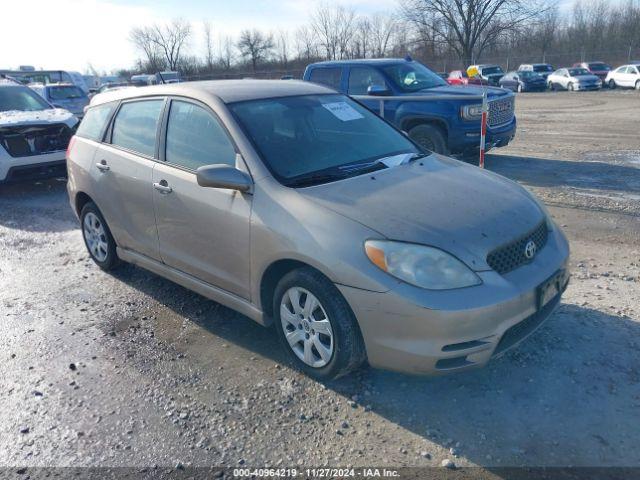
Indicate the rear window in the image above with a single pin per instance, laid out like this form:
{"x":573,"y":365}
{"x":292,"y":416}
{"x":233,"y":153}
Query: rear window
{"x":95,"y":121}
{"x":327,"y":76}
{"x":136,"y":125}
{"x":65,"y":93}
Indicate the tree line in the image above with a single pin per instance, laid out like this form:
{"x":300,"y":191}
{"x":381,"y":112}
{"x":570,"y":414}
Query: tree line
{"x":444,"y":34}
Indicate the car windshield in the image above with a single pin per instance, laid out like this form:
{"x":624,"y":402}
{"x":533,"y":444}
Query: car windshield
{"x":491,"y":70}
{"x":542,"y":68}
{"x":601,"y":67}
{"x":312,"y":139}
{"x":65,"y":93}
{"x":578,"y":71}
{"x":21,"y":98}
{"x":413,"y":76}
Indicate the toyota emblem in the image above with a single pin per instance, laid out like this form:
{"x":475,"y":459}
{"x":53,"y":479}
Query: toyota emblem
{"x":530,"y":249}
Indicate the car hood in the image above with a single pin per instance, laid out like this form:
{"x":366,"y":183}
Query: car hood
{"x":468,"y":90}
{"x":436,"y":201}
{"x":54,"y":115}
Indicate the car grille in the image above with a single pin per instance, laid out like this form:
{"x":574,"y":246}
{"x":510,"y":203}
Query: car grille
{"x":509,"y":257}
{"x":501,"y":111}
{"x":26,"y":141}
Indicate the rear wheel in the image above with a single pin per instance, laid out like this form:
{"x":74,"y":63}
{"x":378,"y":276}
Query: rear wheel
{"x":430,"y":138}
{"x":316,"y":326}
{"x":612,"y":84}
{"x":97,"y":237}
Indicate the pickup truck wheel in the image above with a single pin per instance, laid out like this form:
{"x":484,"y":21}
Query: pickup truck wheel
{"x":316,"y":325}
{"x":97,"y":237}
{"x":430,"y":138}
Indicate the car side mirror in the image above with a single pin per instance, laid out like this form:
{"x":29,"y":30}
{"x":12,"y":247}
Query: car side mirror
{"x":223,"y":176}
{"x":378,"y":91}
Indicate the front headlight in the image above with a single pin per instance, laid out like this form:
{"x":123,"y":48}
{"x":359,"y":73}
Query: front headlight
{"x":419,"y":265}
{"x":471,"y":112}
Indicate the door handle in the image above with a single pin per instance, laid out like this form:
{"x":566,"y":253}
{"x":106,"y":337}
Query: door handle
{"x":102,"y":166}
{"x":162,"y":186}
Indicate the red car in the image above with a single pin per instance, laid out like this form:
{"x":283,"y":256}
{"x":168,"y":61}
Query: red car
{"x":599,"y":69}
{"x":460,"y":77}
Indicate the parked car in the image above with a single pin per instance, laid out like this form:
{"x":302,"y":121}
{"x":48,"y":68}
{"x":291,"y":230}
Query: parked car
{"x":460,"y":77}
{"x":52,"y":76}
{"x":168,"y":77}
{"x":599,"y":69}
{"x":491,"y":74}
{"x":624,"y":76}
{"x":573,"y":79}
{"x":65,"y":96}
{"x":33,"y":134}
{"x":143,"y":80}
{"x":543,"y":69}
{"x":444,"y":126}
{"x":327,"y":222}
{"x":523,"y":82}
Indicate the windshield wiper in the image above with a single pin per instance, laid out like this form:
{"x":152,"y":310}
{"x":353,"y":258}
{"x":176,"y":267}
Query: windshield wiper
{"x":316,"y":179}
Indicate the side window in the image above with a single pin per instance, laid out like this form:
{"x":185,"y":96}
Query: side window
{"x":135,"y":126}
{"x":361,"y":78}
{"x":196,"y":138}
{"x":94,"y":122}
{"x":327,"y":76}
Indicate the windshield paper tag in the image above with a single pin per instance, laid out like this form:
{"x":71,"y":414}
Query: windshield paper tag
{"x":343,"y":111}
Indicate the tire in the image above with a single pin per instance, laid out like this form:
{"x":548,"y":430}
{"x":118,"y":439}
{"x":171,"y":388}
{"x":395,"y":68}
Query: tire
{"x":612,"y":84}
{"x":343,"y":348}
{"x":430,"y":138}
{"x":638,"y":85}
{"x":97,"y":237}
{"x":520,"y":89}
{"x":570,"y":87}
{"x":551,"y":86}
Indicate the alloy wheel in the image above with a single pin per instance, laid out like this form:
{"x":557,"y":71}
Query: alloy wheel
{"x":306,"y":327}
{"x":95,"y":237}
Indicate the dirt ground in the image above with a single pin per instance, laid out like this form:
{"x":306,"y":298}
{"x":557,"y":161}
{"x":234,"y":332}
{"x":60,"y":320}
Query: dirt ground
{"x":128,"y":369}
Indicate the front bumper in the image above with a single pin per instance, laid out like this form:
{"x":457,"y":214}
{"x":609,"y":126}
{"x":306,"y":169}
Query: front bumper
{"x":412,"y":330}
{"x":35,"y":167}
{"x":466,"y":139}
{"x":589,"y":86}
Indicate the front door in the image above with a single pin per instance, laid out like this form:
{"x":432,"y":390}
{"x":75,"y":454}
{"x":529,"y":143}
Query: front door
{"x":202,"y":231}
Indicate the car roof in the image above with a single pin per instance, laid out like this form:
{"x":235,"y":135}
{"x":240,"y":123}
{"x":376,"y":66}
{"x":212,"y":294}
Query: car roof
{"x":362,"y":61}
{"x":228,"y":91}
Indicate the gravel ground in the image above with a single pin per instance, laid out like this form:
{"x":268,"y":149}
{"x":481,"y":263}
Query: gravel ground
{"x":129,"y":369}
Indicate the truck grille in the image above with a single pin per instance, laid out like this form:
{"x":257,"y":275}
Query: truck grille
{"x":501,"y":111}
{"x":26,"y":141}
{"x":509,"y":257}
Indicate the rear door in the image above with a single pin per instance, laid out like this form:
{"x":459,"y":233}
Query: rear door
{"x":203,"y":231}
{"x":123,"y":171}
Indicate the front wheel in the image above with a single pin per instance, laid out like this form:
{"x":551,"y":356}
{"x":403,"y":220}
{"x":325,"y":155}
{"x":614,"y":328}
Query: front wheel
{"x":571,"y":88}
{"x":316,"y":325}
{"x":97,"y":237}
{"x":430,"y":138}
{"x":520,"y":89}
{"x":612,"y":84}
{"x":638,"y":85}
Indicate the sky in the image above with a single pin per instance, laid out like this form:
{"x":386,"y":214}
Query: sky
{"x":73,"y":34}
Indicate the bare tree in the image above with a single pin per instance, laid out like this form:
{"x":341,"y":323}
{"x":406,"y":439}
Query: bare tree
{"x":469,"y":26}
{"x":282,"y":47}
{"x":334,"y":27}
{"x":163,"y":43}
{"x":209,"y":56}
{"x":362,"y":38}
{"x":383,"y":28}
{"x":226,"y":55}
{"x":306,"y":45}
{"x":141,"y":37}
{"x":255,"y":45}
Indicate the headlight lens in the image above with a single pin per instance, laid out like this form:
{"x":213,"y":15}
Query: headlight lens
{"x":419,"y":265}
{"x":471,"y":112}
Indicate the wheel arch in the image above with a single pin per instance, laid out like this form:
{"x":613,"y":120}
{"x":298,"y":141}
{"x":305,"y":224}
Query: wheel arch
{"x":81,"y":199}
{"x":411,"y":122}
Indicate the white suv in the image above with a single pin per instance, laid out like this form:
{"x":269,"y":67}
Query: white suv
{"x":33,"y":134}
